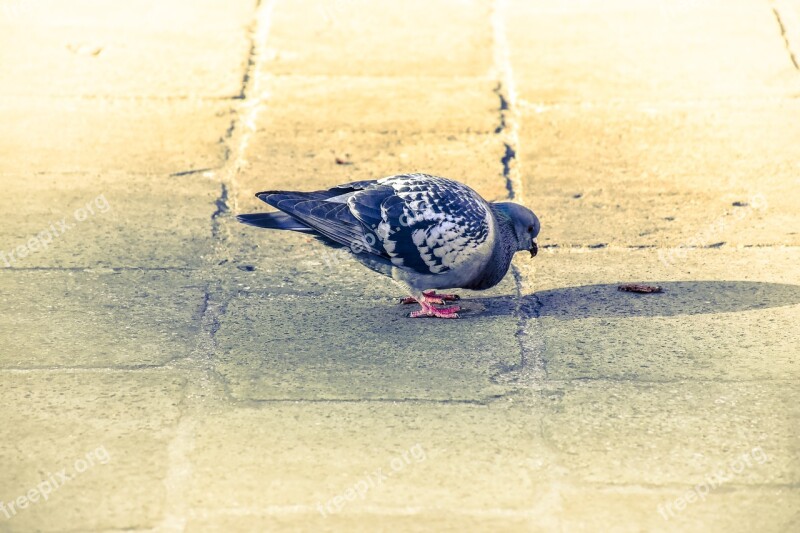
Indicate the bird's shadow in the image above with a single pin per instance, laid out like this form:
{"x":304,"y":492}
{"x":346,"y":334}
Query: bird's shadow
{"x":678,"y":298}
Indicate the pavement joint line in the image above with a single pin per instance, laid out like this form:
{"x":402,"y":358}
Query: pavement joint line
{"x":542,"y":106}
{"x":508,"y":127}
{"x":777,"y":8}
{"x":490,"y":77}
{"x":104,"y":270}
{"x":532,"y":340}
{"x":167,"y":366}
{"x":637,"y":381}
{"x":455,"y":132}
{"x":487,"y":401}
{"x":520,"y":325}
{"x":521,"y":103}
{"x":283,"y":510}
{"x":530,"y":369}
{"x":179,"y":474}
{"x":508,"y":130}
{"x":584,"y":249}
{"x":178,"y":478}
{"x":77,"y":369}
{"x":259,"y":403}
{"x":122,"y":97}
{"x":234,"y":98}
{"x":132,"y":529}
{"x":775,"y":246}
{"x":242,"y":125}
{"x":671,"y":486}
{"x":221,"y":209}
{"x":251,"y":403}
{"x":97,"y":173}
{"x":253,"y":93}
{"x":251,"y":64}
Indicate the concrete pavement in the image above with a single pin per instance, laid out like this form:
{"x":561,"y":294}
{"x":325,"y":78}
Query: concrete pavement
{"x":167,"y":369}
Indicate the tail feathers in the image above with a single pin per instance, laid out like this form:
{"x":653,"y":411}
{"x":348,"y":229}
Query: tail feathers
{"x":274,"y":221}
{"x":338,"y":193}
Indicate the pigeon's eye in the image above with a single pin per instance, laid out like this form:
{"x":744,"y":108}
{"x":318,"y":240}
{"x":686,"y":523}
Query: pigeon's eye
{"x":530,"y":229}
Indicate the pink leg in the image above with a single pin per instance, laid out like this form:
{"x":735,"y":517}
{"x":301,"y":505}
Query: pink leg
{"x":432,"y":297}
{"x":428,"y":309}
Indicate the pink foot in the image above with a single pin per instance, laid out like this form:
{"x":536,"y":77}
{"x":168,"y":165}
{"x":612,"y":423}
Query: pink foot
{"x":432,"y":297}
{"x":438,"y":312}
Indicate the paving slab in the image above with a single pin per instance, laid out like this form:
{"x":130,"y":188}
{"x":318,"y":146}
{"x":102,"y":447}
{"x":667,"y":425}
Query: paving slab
{"x":271,"y":263}
{"x":632,"y":509}
{"x":579,"y":508}
{"x":725,"y":315}
{"x":99,"y":62}
{"x":599,"y":51}
{"x":155,"y":15}
{"x":665,"y":175}
{"x":111,"y":135}
{"x":658,"y":433}
{"x":324,"y":347}
{"x":111,"y":318}
{"x":286,"y":160}
{"x":374,"y":522}
{"x":408,"y":105}
{"x":164,"y":49}
{"x":633,"y":380}
{"x":438,"y":456}
{"x":414,"y":38}
{"x":107,"y":432}
{"x":107,"y":220}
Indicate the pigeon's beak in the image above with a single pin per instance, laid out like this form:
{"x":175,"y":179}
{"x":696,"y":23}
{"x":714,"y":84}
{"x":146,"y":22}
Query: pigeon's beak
{"x":534,"y":249}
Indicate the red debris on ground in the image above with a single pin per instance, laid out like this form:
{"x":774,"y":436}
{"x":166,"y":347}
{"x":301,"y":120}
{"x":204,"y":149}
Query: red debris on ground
{"x":643,"y":289}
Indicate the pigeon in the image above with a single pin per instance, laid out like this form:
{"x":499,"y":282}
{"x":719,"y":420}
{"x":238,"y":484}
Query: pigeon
{"x":425,"y":232}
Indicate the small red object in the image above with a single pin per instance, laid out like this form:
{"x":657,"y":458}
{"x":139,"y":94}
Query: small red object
{"x":643,"y":289}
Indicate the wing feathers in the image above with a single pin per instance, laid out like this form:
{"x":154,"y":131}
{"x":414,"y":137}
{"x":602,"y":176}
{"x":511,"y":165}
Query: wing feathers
{"x":423,"y":223}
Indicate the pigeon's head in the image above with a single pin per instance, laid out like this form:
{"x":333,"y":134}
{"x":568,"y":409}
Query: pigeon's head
{"x":525,"y":223}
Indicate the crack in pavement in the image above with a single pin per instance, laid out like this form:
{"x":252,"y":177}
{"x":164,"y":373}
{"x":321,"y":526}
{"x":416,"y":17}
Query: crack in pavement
{"x":210,"y":384}
{"x":192,"y":171}
{"x":222,"y":208}
{"x":498,"y":90}
{"x":530,"y":369}
{"x":508,"y":157}
{"x":787,"y":44}
{"x":510,"y":153}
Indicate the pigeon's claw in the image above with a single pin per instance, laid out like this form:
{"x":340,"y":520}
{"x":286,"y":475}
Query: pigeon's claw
{"x":445,"y":312}
{"x":432,"y":297}
{"x":428,"y":310}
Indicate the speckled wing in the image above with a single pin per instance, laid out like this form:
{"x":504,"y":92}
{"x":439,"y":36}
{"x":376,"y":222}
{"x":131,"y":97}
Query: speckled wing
{"x":427,"y":224}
